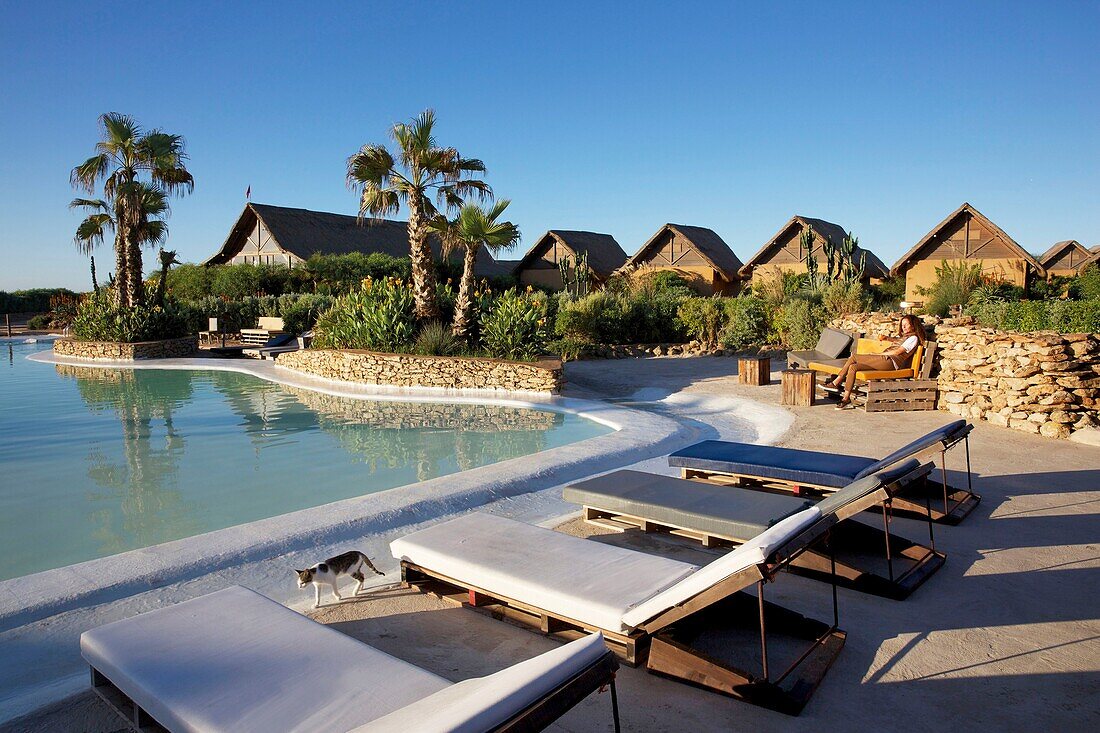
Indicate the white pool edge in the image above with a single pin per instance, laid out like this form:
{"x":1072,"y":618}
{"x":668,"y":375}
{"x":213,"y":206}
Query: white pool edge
{"x":638,"y":435}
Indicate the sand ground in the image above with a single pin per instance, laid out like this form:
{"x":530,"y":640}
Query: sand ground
{"x":1006,"y":636}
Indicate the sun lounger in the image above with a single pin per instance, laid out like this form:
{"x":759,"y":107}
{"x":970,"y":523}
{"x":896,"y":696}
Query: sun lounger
{"x":237,"y":661}
{"x":275,"y":342}
{"x":812,"y":472}
{"x":652,"y":610}
{"x":832,"y":347}
{"x":267,"y":327}
{"x":722,"y":515}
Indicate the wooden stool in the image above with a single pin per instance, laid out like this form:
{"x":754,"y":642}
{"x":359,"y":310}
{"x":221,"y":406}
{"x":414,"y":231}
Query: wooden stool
{"x":754,"y":370}
{"x":798,"y":387}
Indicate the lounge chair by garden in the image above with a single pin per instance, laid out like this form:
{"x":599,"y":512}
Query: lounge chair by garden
{"x":722,"y":515}
{"x":266,"y":327}
{"x":832,"y":347}
{"x":238,"y":662}
{"x":813,"y":472}
{"x":275,"y":342}
{"x":667,"y":614}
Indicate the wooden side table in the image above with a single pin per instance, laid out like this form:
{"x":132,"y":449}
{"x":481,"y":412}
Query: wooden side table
{"x":754,"y":370}
{"x":798,"y":387}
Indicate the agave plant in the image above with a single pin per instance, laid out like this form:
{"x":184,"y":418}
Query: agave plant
{"x":422,"y":168}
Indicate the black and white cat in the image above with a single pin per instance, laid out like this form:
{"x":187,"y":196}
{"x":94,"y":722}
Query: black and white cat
{"x":329,"y":571}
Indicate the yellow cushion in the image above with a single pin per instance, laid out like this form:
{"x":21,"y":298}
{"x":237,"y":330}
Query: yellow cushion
{"x":909,"y":373}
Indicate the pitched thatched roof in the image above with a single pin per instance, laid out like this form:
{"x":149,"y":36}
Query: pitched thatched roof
{"x":705,"y":241}
{"x":984,"y":221}
{"x":1059,"y":248}
{"x":302,"y":233}
{"x":835,"y":233}
{"x":604,"y":253}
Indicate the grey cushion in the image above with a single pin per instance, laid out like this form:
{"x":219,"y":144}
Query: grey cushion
{"x":767,"y":461}
{"x":950,"y":432}
{"x":832,"y":343}
{"x":718,"y":510}
{"x":869,"y":484}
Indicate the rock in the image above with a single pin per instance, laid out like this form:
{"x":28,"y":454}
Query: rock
{"x":1087,"y":436}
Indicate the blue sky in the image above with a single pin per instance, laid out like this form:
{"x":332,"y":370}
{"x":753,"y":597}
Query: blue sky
{"x":881,"y":117}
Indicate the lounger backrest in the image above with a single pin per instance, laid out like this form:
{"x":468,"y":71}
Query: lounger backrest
{"x":753,"y":552}
{"x":861,"y":487}
{"x":484,"y":703}
{"x":271,"y":323}
{"x":832,"y":343}
{"x":950,"y":432}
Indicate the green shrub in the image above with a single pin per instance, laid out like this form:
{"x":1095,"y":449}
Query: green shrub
{"x":515,"y":326}
{"x":30,"y":301}
{"x":436,"y":339}
{"x":300,"y":313}
{"x":746,"y":322}
{"x":41,"y":322}
{"x":1064,"y":316}
{"x":888,"y":294}
{"x":378,"y":316}
{"x":570,"y":349}
{"x":799,"y":322}
{"x":953,"y":285}
{"x":1086,"y":285}
{"x":841,"y":298}
{"x":594,"y":318}
{"x":99,"y":318}
{"x":703,"y":319}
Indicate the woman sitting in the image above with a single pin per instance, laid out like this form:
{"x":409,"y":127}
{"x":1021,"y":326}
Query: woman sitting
{"x":897,"y":356}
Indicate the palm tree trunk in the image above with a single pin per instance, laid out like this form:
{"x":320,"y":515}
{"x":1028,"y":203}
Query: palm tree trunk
{"x":133,"y":263}
{"x":122,"y":290}
{"x":423,"y":269}
{"x":464,"y":304}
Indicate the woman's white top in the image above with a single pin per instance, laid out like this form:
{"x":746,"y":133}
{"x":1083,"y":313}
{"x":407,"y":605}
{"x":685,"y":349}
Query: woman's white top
{"x":908,"y":345}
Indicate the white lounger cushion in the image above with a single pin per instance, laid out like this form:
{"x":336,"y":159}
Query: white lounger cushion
{"x":752,"y":552}
{"x":590,"y":582}
{"x":237,"y":661}
{"x":483,"y":703}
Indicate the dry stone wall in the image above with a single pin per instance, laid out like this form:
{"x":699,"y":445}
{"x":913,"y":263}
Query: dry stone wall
{"x":116,"y":351}
{"x":407,"y":370}
{"x":1046,"y":383}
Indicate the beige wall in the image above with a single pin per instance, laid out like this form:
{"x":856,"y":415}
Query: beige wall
{"x":546,"y":278}
{"x":922,"y":274}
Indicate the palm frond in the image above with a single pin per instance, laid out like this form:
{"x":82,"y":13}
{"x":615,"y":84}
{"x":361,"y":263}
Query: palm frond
{"x":373,"y":164}
{"x":85,"y":175}
{"x":378,"y":202}
{"x":120,"y":133}
{"x":91,"y":231}
{"x":467,"y":186}
{"x":153,"y":232}
{"x":93,"y":204}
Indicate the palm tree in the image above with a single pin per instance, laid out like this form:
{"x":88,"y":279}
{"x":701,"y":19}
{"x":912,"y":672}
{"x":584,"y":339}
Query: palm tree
{"x":424,"y":169}
{"x":124,"y":153}
{"x":472,"y":229}
{"x":167,"y":259}
{"x":148,"y":226}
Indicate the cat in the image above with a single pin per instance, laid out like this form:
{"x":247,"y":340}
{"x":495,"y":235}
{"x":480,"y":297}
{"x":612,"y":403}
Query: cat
{"x":329,"y":571}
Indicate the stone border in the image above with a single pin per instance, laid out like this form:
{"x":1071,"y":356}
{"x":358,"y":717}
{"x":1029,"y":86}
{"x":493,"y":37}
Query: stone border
{"x":119,"y":351}
{"x":638,"y":435}
{"x":412,"y":370}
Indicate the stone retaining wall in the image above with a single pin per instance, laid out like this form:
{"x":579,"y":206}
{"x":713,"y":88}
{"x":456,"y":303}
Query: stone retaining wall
{"x":1043,"y":382}
{"x":115,"y":351}
{"x":408,"y":370}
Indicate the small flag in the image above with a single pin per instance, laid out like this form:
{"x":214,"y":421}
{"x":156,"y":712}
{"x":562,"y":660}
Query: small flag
{"x":248,"y":193}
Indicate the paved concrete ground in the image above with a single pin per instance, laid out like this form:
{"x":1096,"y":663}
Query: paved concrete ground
{"x":1005,"y":637}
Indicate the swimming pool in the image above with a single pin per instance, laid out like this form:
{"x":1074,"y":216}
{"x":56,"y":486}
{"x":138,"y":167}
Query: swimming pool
{"x":97,"y":461}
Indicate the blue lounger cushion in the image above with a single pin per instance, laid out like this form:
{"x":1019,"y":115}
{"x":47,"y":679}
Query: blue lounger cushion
{"x":797,"y":466}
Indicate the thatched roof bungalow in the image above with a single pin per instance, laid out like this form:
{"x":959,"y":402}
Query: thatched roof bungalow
{"x":1065,"y":258}
{"x":966,"y":234}
{"x":279,"y":235}
{"x":783,"y":252}
{"x":697,"y":254}
{"x":539,"y":265}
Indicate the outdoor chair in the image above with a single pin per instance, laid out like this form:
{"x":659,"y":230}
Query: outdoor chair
{"x":832,"y":346}
{"x":874,"y":346}
{"x":237,"y":661}
{"x":724,"y":515}
{"x":671,"y":616}
{"x":267,"y":327}
{"x":277,"y":341}
{"x":806,"y":472}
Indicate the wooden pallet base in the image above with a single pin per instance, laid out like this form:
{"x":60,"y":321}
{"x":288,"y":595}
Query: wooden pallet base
{"x":912,"y":563}
{"x":896,"y":395}
{"x":674,"y":653}
{"x":675,"y":656}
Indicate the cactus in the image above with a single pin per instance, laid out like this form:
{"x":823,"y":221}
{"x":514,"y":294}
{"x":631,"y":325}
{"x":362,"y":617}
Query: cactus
{"x":841,"y":262}
{"x":806,"y":245}
{"x":575,"y":275}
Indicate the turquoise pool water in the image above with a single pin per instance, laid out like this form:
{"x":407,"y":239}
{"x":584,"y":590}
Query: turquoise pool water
{"x":98,"y":461}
